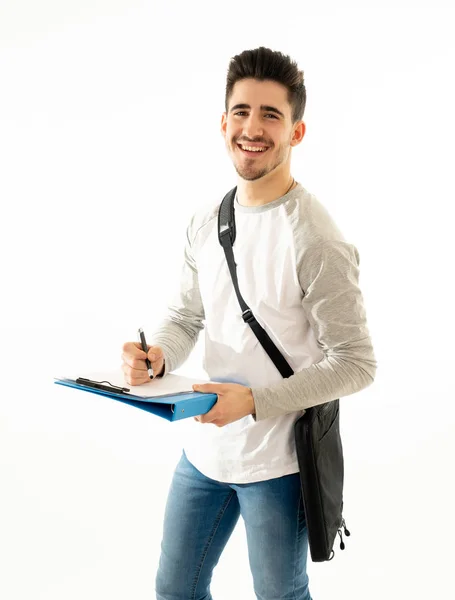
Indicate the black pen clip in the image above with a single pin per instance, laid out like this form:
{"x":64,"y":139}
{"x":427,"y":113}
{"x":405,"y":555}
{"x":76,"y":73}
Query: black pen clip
{"x":99,"y":385}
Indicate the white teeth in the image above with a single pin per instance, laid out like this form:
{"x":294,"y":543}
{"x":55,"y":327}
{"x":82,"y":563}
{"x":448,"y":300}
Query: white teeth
{"x":250,"y":149}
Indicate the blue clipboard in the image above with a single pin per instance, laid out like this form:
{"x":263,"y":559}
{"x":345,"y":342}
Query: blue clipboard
{"x":172,"y":407}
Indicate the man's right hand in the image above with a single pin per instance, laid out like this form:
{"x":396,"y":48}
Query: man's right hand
{"x":134,"y":366}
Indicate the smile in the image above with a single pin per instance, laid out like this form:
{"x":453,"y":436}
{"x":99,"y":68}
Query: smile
{"x":252,"y":150}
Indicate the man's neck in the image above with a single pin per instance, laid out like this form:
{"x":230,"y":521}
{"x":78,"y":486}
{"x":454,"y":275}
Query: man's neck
{"x":263,"y":191}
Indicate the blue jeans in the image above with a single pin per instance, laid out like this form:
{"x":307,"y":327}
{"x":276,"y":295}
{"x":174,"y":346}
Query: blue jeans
{"x":201,"y":515}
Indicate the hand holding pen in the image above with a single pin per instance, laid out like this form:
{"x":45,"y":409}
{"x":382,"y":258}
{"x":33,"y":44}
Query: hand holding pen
{"x":135,"y":365}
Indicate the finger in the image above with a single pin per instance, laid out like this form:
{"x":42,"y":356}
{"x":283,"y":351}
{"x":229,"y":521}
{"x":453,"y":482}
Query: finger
{"x":135,"y":363}
{"x":134,"y":376}
{"x":155,"y":353}
{"x":209,"y":416}
{"x":134,"y":350}
{"x":156,"y":358}
{"x":209,"y":388}
{"x":157,"y":366}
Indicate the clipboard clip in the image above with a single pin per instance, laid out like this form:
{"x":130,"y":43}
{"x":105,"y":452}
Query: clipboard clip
{"x":99,"y":385}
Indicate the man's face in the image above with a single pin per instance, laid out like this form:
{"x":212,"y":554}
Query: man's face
{"x":259,"y":116}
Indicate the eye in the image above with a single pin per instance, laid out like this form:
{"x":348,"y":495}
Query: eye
{"x":242,"y":112}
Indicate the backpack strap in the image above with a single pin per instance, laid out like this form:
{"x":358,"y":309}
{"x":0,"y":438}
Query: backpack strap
{"x":226,"y":237}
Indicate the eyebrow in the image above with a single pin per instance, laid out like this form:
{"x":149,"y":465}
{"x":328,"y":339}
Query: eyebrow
{"x":264,"y":107}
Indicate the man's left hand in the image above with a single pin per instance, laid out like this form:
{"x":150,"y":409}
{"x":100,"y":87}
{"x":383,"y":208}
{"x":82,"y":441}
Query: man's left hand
{"x":234,"y":402}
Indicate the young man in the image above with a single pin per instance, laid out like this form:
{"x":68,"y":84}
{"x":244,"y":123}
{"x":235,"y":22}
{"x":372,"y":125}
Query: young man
{"x":300,"y":279}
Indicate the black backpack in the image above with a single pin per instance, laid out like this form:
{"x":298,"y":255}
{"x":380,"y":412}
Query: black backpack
{"x":317,"y":432}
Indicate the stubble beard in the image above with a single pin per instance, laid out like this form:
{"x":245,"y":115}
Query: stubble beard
{"x":251,"y":173}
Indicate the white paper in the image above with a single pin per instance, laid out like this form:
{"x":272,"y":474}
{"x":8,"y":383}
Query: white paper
{"x":171,"y":384}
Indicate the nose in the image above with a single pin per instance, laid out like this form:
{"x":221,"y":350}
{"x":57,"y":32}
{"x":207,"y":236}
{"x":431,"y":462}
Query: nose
{"x":253,"y":127}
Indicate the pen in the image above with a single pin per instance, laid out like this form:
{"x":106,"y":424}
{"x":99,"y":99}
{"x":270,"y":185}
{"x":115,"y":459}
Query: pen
{"x":145,"y":349}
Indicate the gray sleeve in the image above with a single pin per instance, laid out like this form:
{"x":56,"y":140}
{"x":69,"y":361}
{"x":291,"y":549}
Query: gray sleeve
{"x":328,"y":273}
{"x":178,"y":333}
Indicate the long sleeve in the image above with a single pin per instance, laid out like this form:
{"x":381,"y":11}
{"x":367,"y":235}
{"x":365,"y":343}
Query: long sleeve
{"x":328,"y":274}
{"x":178,"y":333}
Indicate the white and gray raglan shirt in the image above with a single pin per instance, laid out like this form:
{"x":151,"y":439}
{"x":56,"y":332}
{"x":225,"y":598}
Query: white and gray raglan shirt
{"x":300,"y":279}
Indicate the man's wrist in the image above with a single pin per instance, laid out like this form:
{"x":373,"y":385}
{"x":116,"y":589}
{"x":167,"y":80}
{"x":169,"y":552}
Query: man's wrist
{"x":252,"y":406}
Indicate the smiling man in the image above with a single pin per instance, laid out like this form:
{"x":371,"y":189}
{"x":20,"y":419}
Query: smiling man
{"x":300,"y":278}
{"x":259,"y":137}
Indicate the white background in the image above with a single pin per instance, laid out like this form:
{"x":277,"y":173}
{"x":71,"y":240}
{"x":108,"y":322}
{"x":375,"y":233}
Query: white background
{"x":109,"y":141}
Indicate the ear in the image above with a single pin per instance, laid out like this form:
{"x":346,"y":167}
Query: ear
{"x":298,"y":133}
{"x":224,"y":124}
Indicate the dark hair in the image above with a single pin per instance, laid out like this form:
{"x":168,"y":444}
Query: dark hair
{"x":265,"y":64}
